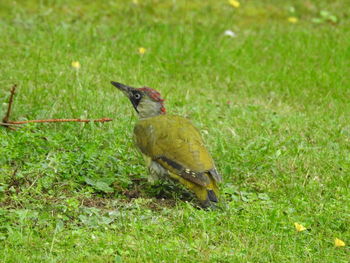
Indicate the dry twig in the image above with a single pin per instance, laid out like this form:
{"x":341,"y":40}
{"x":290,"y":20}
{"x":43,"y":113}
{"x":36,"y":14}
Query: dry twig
{"x":7,"y":116}
{"x":8,"y":112}
{"x":58,"y":120}
{"x":9,"y":124}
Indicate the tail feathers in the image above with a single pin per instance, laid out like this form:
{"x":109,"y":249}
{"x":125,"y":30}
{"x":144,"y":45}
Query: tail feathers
{"x":212,"y":196}
{"x":211,"y":199}
{"x":212,"y":190}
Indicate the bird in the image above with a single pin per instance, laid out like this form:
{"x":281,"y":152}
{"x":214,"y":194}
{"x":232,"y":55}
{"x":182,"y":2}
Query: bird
{"x":172,"y":146}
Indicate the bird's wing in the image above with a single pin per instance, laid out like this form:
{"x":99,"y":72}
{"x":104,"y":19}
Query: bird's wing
{"x":176,"y":144}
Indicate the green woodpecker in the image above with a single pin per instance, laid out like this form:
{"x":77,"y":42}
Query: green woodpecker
{"x":171,"y":146}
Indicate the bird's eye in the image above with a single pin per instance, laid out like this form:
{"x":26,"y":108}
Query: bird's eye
{"x":137,"y":96}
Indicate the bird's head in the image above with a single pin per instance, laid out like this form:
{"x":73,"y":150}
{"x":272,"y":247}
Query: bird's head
{"x":146,"y":101}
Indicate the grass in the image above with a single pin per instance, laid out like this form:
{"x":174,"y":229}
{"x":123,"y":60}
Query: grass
{"x":272,"y":105}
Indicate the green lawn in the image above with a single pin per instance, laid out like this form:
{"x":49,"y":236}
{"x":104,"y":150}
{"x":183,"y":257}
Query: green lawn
{"x":272,"y":104}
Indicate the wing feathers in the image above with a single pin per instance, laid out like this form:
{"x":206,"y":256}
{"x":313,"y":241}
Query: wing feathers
{"x":214,"y":173}
{"x":177,"y":145}
{"x":199,"y":178}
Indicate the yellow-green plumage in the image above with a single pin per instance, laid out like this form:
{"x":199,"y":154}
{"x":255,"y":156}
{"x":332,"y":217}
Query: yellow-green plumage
{"x":177,"y":146}
{"x":171,"y":146}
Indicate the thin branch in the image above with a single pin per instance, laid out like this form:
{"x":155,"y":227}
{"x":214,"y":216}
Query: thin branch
{"x":9,"y":124}
{"x":7,"y":116}
{"x":58,"y":120}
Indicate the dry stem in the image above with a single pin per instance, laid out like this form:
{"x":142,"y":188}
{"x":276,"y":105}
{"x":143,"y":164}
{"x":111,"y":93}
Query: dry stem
{"x":9,"y":124}
{"x":7,"y":115}
{"x":58,"y":120}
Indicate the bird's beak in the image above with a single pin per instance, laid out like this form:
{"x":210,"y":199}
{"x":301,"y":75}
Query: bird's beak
{"x":125,"y":89}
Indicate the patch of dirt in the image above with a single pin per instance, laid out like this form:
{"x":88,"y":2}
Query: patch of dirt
{"x":159,"y":204}
{"x":98,"y":202}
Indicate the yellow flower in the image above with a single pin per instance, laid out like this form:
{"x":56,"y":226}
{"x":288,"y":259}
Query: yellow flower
{"x":339,"y":243}
{"x":76,"y":64}
{"x":234,"y":3}
{"x":142,"y":50}
{"x":299,"y":227}
{"x":136,"y":2}
{"x":293,"y":19}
